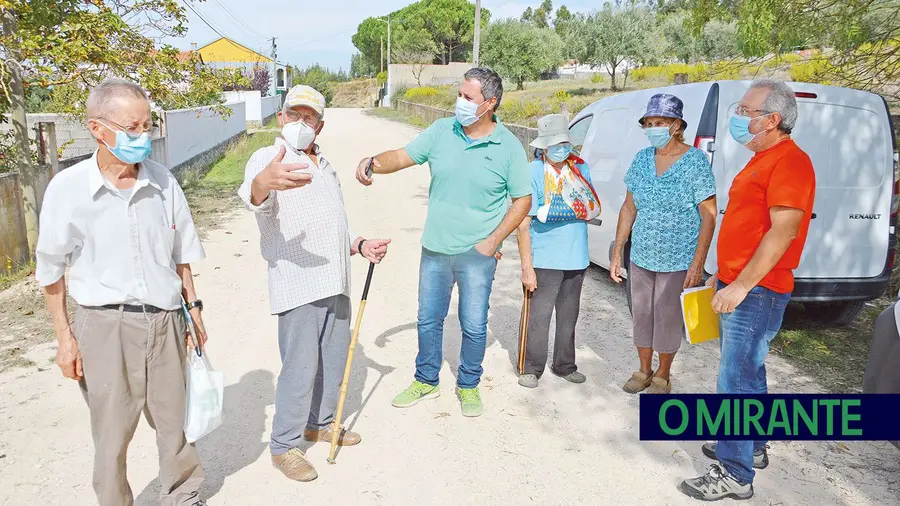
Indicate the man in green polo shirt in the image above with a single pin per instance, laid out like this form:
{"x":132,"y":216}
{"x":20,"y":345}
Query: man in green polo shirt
{"x":477,"y":165}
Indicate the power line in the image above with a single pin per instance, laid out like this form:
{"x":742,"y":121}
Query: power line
{"x":246,"y":28}
{"x":207,"y":23}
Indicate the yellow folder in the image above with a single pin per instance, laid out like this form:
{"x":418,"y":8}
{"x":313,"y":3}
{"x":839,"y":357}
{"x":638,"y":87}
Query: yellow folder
{"x":701,"y":323}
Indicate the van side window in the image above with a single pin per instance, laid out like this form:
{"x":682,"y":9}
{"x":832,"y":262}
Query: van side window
{"x":578,"y":132}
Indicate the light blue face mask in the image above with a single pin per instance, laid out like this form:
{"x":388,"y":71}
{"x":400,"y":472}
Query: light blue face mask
{"x":130,"y":149}
{"x":467,"y":112}
{"x":559,"y":152}
{"x":739,"y":128}
{"x":658,"y":136}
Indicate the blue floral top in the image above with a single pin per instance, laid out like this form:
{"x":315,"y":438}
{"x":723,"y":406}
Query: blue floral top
{"x":665,"y":233}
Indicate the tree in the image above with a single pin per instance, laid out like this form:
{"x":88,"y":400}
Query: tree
{"x":69,"y":46}
{"x":449,"y":23}
{"x":527,"y":15}
{"x":679,"y":36}
{"x":858,"y":40}
{"x":610,"y":38}
{"x":320,"y":78}
{"x":414,"y":47}
{"x":521,"y":51}
{"x":542,"y":14}
{"x":261,"y":80}
{"x":718,"y":41}
{"x":562,"y":21}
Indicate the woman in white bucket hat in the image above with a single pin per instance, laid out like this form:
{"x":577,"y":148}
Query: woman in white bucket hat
{"x":553,"y":246}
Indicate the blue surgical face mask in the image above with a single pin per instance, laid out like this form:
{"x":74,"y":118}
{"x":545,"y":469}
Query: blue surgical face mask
{"x":658,"y":136}
{"x":559,"y":152}
{"x":130,"y":149}
{"x":467,"y":112}
{"x":739,"y":127}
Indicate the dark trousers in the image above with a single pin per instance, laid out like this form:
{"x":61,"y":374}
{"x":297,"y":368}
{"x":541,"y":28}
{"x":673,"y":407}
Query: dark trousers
{"x":559,"y":290}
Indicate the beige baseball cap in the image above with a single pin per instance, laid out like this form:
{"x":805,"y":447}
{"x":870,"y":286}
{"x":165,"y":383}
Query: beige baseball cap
{"x":305,"y":96}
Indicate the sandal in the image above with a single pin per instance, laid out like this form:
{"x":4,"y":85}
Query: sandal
{"x":638,"y":382}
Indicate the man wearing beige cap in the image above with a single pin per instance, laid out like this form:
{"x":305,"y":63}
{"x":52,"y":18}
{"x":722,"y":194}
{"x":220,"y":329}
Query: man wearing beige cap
{"x":306,"y":241}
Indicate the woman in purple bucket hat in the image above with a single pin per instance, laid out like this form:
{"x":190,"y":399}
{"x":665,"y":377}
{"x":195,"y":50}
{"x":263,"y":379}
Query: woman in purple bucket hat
{"x":670,"y":215}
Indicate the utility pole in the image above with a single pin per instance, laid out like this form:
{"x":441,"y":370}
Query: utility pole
{"x":21,"y":156}
{"x":274,"y":81}
{"x":381,"y":59}
{"x":389,"y":94}
{"x":477,"y":42}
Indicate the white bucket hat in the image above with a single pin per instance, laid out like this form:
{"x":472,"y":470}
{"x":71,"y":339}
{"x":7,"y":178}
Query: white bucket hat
{"x":552,"y":129}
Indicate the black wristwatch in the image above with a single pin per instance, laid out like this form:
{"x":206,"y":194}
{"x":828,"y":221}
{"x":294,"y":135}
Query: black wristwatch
{"x":196,"y":304}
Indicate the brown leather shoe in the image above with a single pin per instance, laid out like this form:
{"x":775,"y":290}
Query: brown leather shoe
{"x":294,"y":465}
{"x":347,"y":438}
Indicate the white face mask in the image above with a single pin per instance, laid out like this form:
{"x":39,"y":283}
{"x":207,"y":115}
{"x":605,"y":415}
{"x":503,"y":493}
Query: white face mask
{"x":298,"y":135}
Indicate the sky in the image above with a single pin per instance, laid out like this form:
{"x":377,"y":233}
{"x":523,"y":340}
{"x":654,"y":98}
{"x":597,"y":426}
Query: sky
{"x":312,"y":32}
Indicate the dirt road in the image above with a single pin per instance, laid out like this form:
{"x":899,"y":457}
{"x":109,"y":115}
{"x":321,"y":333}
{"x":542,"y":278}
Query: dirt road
{"x":561,"y":444}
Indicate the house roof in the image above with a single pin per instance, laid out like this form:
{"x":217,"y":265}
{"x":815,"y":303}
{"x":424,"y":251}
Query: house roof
{"x":187,"y":55}
{"x":238,"y":44}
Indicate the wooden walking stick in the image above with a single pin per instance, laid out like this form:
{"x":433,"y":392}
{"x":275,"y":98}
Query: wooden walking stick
{"x":336,"y":425}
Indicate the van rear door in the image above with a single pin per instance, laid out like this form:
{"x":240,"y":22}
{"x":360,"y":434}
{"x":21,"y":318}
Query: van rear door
{"x":847,"y":135}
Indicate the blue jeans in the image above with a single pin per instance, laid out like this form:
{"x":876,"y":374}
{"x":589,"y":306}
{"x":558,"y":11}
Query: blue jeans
{"x":744,"y":341}
{"x":474,"y":273}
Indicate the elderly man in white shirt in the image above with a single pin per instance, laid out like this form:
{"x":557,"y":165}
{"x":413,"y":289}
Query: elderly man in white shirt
{"x":306,"y":240}
{"x":122,"y":225}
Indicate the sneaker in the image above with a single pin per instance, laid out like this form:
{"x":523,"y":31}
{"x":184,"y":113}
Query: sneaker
{"x":760,"y":457}
{"x":716,"y":484}
{"x":573,"y":377}
{"x":470,"y":401}
{"x":416,"y":393}
{"x":294,"y":465}
{"x":528,"y":380}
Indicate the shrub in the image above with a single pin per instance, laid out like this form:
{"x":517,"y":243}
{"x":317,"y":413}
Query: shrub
{"x":418,"y":93}
{"x":597,"y":78}
{"x":381,"y":77}
{"x":812,"y":71}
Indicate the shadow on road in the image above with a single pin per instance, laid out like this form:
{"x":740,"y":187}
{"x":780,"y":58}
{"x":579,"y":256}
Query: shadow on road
{"x":238,"y":442}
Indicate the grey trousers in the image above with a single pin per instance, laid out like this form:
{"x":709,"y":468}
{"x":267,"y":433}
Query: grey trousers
{"x":313,"y":340}
{"x":559,"y":290}
{"x":658,"y":322}
{"x":133,"y":363}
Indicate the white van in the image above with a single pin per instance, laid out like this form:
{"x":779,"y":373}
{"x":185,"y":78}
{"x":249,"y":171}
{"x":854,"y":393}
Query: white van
{"x":848,"y":134}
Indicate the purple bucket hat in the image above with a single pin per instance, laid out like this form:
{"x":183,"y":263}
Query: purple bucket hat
{"x":663,"y":105}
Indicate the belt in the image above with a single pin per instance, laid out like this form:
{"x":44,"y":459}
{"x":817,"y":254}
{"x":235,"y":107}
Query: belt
{"x":133,"y":308}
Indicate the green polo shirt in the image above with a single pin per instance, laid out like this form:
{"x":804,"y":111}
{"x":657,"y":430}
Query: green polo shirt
{"x":470,"y":183}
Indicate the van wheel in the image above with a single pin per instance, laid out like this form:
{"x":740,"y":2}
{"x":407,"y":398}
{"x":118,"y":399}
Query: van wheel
{"x":834,"y":313}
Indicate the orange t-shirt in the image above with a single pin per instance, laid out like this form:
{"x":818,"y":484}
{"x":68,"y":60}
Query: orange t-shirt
{"x":781,"y":176}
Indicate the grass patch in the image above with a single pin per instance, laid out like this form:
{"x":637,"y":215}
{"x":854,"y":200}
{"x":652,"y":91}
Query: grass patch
{"x":13,"y":274}
{"x":213,"y":196}
{"x":272,"y":122}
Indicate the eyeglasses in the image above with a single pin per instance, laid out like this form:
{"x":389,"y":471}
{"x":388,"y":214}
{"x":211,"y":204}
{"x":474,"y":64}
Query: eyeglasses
{"x":133,"y":131}
{"x":745,"y":111}
{"x":309,"y":119}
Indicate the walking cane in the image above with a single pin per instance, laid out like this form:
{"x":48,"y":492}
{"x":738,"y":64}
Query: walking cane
{"x":336,"y":427}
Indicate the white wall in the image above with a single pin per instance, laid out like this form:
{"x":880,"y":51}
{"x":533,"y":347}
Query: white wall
{"x":269,"y":106}
{"x":251,"y":98}
{"x":192,"y":132}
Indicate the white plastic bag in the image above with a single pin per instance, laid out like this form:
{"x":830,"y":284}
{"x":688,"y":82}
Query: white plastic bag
{"x":205,"y":393}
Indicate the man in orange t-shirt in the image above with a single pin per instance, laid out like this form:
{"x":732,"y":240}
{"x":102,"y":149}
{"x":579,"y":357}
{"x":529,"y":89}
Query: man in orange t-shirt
{"x":761,"y":239}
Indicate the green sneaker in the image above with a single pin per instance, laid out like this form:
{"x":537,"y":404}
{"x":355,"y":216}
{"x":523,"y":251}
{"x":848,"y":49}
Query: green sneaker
{"x":416,"y":392}
{"x":470,"y":401}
